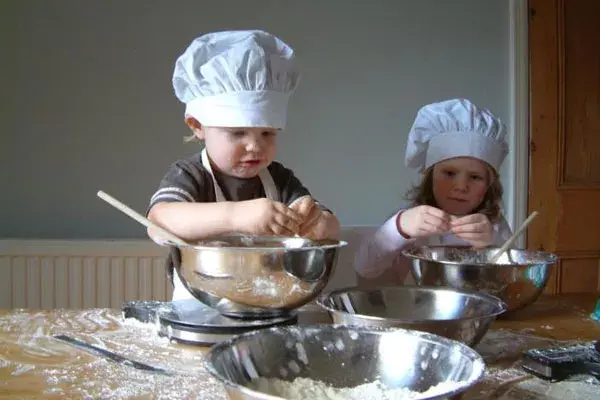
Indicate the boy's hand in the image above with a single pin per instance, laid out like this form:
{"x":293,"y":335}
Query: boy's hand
{"x":475,"y":229}
{"x":312,"y":217}
{"x":423,"y":221}
{"x":265,"y":217}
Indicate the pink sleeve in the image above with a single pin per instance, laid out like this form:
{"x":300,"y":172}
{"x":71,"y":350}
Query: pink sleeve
{"x":379,"y":251}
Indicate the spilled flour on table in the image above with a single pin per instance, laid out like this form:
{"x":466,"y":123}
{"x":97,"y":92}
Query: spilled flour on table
{"x":305,"y":388}
{"x":43,"y":367}
{"x":505,"y":378}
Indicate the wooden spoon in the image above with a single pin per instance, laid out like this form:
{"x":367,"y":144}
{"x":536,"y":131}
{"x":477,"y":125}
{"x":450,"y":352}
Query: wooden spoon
{"x":139,"y":218}
{"x":514,"y":237}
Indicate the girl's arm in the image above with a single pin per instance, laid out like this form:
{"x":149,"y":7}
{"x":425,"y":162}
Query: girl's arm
{"x":395,"y":275}
{"x":379,"y":251}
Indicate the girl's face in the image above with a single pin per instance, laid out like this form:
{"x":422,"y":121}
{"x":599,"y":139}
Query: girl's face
{"x":460,"y":184}
{"x":239,"y":152}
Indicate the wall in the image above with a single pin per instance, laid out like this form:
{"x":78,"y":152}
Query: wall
{"x":87,"y":102}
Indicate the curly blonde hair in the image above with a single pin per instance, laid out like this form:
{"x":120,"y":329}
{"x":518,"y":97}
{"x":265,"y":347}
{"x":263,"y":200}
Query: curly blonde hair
{"x":491,"y":206}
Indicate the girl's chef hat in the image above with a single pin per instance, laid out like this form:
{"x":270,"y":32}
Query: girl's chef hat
{"x":236,"y":79}
{"x":455,"y":128}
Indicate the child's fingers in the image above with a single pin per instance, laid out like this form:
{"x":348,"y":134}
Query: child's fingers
{"x":432,"y":228}
{"x":279,"y":230}
{"x":288,"y":213}
{"x":311,"y":221}
{"x":477,"y":240}
{"x":478,"y":227}
{"x":303,"y":205}
{"x":468,"y":219}
{"x":287,"y":223}
{"x":463,"y":228}
{"x":469,"y":236}
{"x":437,"y":223}
{"x":437,"y":213}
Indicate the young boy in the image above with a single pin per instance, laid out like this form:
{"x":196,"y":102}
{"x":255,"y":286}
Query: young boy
{"x":236,"y":86}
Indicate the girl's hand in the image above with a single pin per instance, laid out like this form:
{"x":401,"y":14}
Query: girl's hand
{"x":423,"y":221}
{"x":475,"y":229}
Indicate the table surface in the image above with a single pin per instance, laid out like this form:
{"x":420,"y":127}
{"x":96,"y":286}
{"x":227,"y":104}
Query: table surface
{"x":32,"y":364}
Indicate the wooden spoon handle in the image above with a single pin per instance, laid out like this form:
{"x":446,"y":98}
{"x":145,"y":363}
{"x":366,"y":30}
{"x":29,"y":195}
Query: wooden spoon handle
{"x":514,"y":237}
{"x":139,"y":218}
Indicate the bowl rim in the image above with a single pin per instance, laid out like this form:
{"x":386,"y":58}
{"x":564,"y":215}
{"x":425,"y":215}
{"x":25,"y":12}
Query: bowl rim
{"x":466,"y":351}
{"x":501,"y":305}
{"x":410,"y":253}
{"x":324,"y":244}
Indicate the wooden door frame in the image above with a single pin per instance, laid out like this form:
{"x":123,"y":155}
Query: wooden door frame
{"x":518,"y":126}
{"x":547,"y":116}
{"x":543,"y":86}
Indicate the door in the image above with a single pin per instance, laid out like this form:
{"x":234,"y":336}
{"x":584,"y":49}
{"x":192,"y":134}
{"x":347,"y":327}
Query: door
{"x":564,"y":180}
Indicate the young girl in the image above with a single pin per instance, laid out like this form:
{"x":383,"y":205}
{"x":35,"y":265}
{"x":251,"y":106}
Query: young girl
{"x":458,"y":148}
{"x":236,"y":86}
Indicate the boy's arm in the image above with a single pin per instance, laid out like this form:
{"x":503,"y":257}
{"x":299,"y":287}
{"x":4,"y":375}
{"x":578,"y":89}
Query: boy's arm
{"x":192,"y":221}
{"x":328,"y":226}
{"x":184,"y":204}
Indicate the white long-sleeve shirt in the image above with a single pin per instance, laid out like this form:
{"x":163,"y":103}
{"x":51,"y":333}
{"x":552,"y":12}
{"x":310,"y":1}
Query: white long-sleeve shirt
{"x":383,"y":249}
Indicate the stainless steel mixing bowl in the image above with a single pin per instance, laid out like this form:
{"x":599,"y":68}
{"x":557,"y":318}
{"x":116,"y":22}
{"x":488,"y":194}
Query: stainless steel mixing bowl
{"x":257,"y":277}
{"x":517,"y":278}
{"x":344,"y":356}
{"x":458,"y":315}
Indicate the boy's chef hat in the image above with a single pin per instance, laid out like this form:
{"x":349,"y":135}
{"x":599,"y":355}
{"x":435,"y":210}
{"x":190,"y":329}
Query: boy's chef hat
{"x":455,"y":128}
{"x":236,"y":79}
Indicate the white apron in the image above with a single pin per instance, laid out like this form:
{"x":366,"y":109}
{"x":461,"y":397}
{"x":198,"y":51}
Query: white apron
{"x":179,"y":291}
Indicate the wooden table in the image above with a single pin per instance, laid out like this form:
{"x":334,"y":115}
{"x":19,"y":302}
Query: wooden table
{"x":32,"y":364}
{"x":552,"y":320}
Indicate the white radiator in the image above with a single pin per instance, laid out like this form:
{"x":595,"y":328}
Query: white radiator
{"x":80,"y":274}
{"x":100,"y":273}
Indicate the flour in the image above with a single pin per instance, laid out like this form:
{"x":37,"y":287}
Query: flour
{"x":305,"y":388}
{"x":36,"y":361}
{"x":265,"y":286}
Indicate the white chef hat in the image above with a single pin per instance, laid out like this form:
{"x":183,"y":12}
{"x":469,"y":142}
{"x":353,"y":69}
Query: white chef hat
{"x":236,"y":79}
{"x":455,"y":128}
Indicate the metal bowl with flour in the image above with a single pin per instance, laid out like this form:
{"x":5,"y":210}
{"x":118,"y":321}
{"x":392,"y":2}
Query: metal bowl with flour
{"x":244,"y":276}
{"x":322,"y":361}
{"x":518,"y":277}
{"x":458,"y":315}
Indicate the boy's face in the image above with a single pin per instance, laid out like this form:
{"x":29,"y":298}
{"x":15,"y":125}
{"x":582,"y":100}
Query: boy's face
{"x":239,"y":152}
{"x":460,"y":184}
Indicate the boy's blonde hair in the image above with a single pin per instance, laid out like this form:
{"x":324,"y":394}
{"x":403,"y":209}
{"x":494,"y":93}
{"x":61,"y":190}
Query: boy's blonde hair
{"x":491,"y":206}
{"x":191,"y":138}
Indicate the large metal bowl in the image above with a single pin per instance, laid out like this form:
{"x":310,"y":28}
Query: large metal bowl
{"x":517,"y":278}
{"x":458,"y":315}
{"x":257,"y":276}
{"x":343,"y":356}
